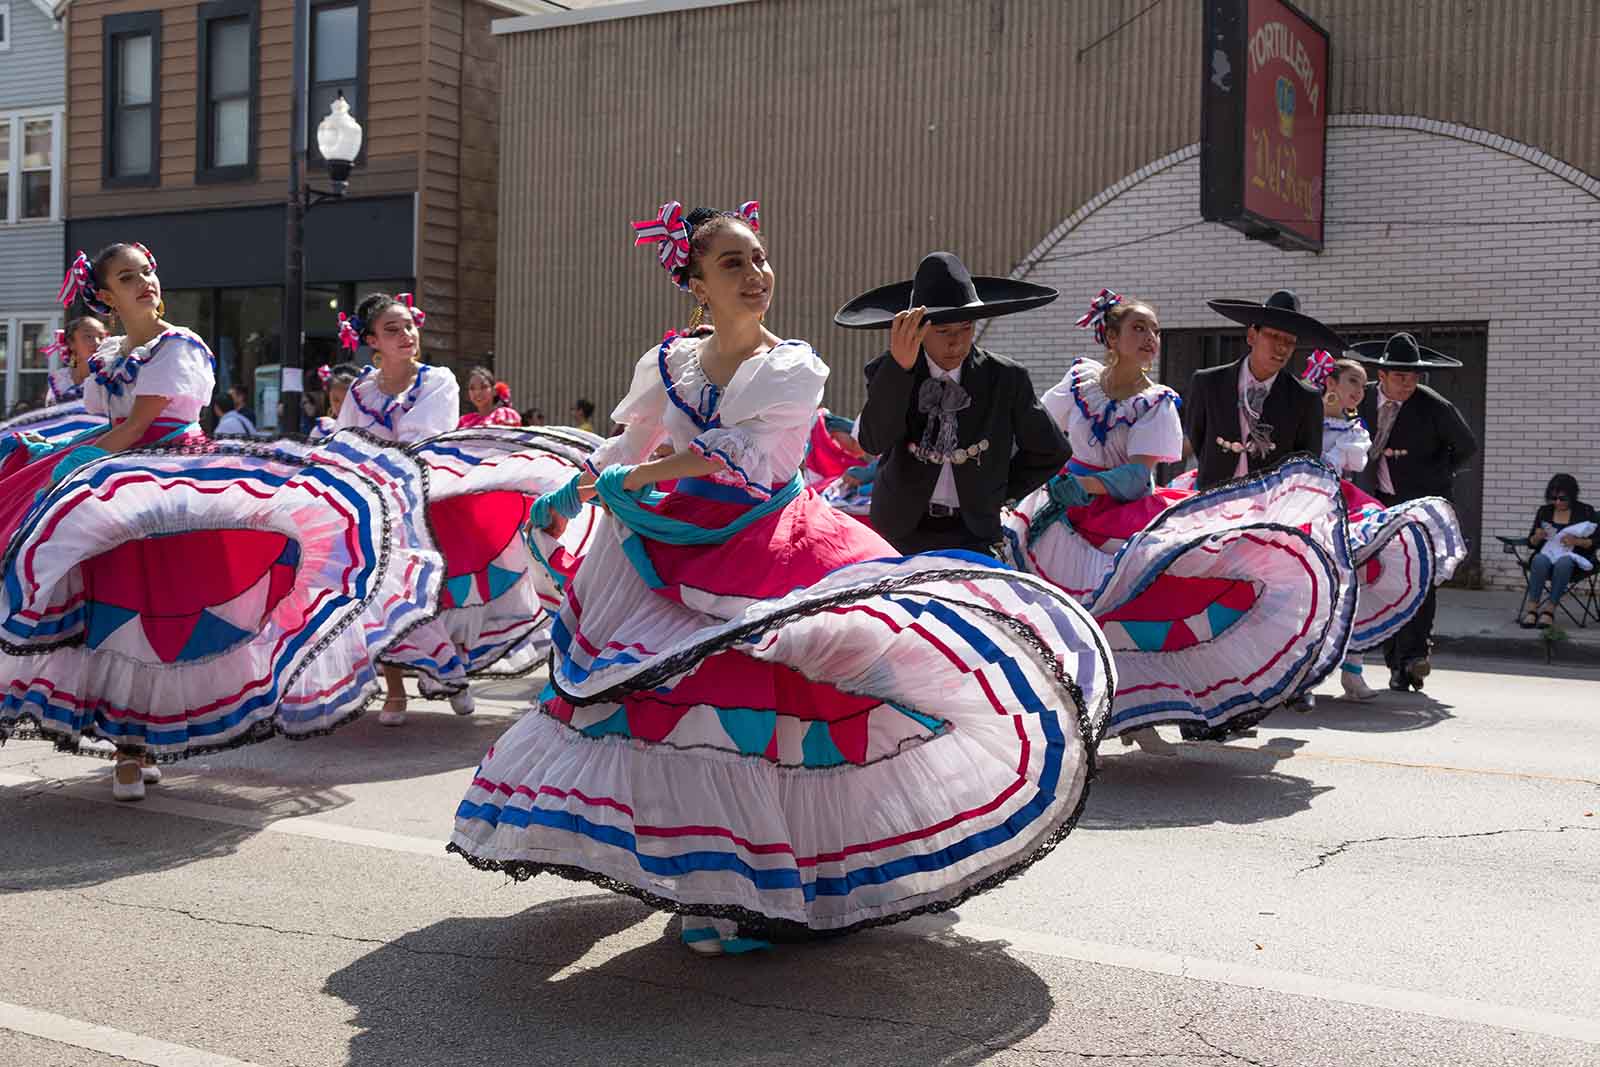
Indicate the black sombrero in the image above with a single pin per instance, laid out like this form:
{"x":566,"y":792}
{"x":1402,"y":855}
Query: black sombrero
{"x":1402,"y":352}
{"x":948,"y":290}
{"x":1281,"y":311}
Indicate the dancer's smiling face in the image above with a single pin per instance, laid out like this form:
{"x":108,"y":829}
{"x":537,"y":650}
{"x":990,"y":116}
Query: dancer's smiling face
{"x":393,"y":335}
{"x":1136,"y":338}
{"x":1270,"y":349}
{"x":733,"y":276}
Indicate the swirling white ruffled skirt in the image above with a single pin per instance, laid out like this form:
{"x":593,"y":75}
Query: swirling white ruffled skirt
{"x":886,"y":740}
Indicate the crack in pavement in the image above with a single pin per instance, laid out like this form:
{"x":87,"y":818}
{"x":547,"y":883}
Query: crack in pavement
{"x":1192,"y":1030}
{"x":1343,"y":846}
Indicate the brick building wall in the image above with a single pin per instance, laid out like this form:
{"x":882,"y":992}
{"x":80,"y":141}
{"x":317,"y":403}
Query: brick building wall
{"x":1427,"y":222}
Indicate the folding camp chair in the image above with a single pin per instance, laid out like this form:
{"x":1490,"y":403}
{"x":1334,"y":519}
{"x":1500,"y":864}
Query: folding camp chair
{"x":1583,"y":593}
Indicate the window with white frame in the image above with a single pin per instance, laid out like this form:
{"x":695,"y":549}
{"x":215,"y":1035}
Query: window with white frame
{"x":24,"y":366}
{"x":30,"y":165}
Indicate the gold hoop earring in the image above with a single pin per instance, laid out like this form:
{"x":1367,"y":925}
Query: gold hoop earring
{"x":161,"y":308}
{"x":696,"y":317}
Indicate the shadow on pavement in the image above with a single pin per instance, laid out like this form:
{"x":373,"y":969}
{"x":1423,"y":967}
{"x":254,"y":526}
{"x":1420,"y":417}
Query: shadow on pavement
{"x":91,"y":841}
{"x":1199,"y":784}
{"x":1389,"y":712}
{"x":505,"y":990}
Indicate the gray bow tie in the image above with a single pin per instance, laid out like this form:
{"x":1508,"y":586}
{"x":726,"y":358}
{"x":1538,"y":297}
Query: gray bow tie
{"x":940,"y":399}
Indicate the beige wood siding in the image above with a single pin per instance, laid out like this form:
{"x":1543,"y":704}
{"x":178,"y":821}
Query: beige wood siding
{"x":876,"y":130}
{"x":394,"y":51}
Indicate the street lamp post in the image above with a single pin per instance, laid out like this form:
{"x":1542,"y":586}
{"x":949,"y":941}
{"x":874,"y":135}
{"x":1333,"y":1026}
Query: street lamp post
{"x":339,"y":140}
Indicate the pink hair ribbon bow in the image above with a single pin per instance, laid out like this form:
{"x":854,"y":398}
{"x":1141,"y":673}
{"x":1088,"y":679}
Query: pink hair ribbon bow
{"x":325,"y":374}
{"x":349,"y":333}
{"x":1095,"y":319}
{"x":750,"y":211}
{"x":79,"y":280}
{"x":418,"y":316}
{"x":1319,"y":365}
{"x":58,"y":347}
{"x":670,"y":231}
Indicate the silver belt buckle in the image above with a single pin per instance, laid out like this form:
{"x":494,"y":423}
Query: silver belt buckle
{"x":943,"y":511}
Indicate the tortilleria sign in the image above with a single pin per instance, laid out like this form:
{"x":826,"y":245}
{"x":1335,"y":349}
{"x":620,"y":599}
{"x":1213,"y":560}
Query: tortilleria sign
{"x":1264,"y":121}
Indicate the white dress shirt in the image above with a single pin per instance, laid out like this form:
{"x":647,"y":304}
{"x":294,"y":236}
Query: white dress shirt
{"x":1246,"y":379}
{"x":944,"y":490}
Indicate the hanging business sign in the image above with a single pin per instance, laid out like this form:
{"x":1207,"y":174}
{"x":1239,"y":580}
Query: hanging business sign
{"x":1264,"y":121}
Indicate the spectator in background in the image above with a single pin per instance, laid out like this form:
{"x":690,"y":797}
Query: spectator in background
{"x":231,"y":422}
{"x":1562,"y":509}
{"x":583,"y":414}
{"x":241,"y":403}
{"x":491,"y":401}
{"x":534,"y":417}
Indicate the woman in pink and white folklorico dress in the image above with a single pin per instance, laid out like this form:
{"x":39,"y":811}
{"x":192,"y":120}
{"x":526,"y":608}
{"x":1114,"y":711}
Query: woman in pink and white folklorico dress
{"x":1219,"y":605}
{"x":167,"y":596}
{"x":402,"y":400}
{"x":490,"y":400}
{"x":758,"y":713}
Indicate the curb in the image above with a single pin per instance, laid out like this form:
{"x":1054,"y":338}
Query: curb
{"x":1503,"y":646}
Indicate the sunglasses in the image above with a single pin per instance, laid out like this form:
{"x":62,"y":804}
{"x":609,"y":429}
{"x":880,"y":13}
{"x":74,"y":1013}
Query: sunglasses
{"x":1558,"y":498}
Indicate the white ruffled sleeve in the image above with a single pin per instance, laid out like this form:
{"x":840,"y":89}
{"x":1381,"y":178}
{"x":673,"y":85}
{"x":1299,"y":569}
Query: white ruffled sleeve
{"x":639,"y":415}
{"x":766,"y":420}
{"x":1158,"y":431}
{"x":1347,"y":451}
{"x":1058,"y":400}
{"x":180,"y":369}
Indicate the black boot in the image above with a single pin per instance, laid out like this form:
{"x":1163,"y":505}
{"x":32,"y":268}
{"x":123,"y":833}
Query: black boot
{"x":1399,"y":681}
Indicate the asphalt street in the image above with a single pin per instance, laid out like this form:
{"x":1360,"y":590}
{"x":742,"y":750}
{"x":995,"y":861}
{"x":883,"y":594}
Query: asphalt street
{"x":1415,"y":881}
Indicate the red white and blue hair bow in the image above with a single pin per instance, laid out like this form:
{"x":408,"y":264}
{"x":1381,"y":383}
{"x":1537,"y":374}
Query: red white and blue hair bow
{"x":418,"y":316}
{"x":58,"y":347}
{"x":78,"y":282}
{"x":1095,"y":319}
{"x":349,"y":332}
{"x":151,"y":256}
{"x":670,"y":231}
{"x":1319,"y":366}
{"x":325,"y":374}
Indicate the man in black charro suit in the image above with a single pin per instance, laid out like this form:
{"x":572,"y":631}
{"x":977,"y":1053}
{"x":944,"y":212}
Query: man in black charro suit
{"x":1248,"y":416}
{"x":1419,"y":443}
{"x":960,"y":429}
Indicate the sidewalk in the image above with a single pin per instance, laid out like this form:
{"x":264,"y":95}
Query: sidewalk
{"x":1483,"y":622}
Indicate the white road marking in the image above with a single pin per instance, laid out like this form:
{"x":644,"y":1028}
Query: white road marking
{"x":1319,"y":987}
{"x":1415,"y":1002}
{"x":96,"y":1038}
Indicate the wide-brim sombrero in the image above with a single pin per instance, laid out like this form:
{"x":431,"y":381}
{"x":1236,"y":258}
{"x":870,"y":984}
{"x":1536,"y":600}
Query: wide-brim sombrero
{"x":1281,"y":311}
{"x":950,"y":293}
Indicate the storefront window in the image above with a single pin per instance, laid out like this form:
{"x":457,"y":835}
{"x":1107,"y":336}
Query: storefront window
{"x":248,"y":352}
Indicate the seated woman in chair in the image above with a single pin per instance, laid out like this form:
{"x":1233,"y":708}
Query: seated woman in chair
{"x":1556,"y":568}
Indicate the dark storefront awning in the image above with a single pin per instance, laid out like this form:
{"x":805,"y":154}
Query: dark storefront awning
{"x":351,"y":240}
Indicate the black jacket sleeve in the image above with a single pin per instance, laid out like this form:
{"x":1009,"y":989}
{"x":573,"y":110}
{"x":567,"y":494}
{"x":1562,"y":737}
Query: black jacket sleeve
{"x":1457,"y":437}
{"x":1310,"y":436}
{"x":883,"y":419}
{"x":1041,"y":447}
